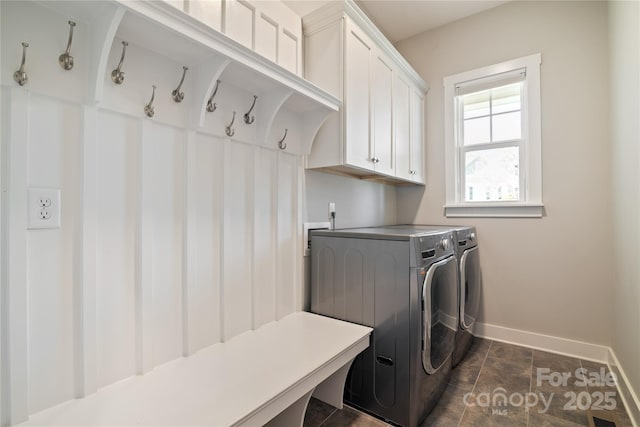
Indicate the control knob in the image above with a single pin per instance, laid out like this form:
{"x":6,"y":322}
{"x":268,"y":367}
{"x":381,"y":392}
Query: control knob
{"x":445,"y":244}
{"x":472,"y":237}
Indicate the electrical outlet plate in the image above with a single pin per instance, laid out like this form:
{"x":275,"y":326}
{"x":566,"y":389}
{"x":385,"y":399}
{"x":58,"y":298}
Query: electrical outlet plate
{"x":44,"y":208}
{"x":309,"y":226}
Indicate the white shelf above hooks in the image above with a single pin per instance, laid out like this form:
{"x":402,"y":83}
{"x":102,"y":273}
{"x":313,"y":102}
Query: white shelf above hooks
{"x":210,"y":55}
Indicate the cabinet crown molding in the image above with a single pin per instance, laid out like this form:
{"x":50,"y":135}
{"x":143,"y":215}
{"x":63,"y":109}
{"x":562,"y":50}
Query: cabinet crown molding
{"x":335,"y":10}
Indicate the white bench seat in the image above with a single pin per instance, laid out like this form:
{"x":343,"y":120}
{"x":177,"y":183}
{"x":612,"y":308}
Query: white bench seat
{"x":259,"y":376}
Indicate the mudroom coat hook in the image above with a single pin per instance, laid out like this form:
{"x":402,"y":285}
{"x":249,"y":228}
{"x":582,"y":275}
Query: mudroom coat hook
{"x":229,"y":130}
{"x":211,"y":106}
{"x":117,"y":75}
{"x":66,"y":60}
{"x":20,"y":76}
{"x":176,"y":94}
{"x":281,"y":144}
{"x":148,"y":109}
{"x":248,"y":118}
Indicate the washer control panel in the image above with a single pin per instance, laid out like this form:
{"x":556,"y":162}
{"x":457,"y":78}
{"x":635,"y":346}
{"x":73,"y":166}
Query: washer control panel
{"x":429,"y":248}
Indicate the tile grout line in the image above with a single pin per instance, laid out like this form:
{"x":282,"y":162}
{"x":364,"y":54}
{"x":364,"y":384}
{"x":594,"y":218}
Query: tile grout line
{"x":328,"y":416}
{"x":476,"y":381}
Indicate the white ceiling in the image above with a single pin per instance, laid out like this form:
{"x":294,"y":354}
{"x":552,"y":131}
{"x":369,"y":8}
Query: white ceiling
{"x":401,"y":19}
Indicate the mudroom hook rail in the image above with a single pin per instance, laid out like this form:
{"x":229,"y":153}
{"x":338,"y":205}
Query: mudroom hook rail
{"x":66,"y":60}
{"x":117,"y":75}
{"x":211,"y":106}
{"x":20,"y":76}
{"x":248,"y":119}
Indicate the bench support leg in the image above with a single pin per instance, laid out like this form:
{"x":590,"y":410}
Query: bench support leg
{"x":331,"y":390}
{"x":293,"y":415}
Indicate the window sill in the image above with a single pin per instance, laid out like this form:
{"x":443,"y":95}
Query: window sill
{"x":494,"y":210}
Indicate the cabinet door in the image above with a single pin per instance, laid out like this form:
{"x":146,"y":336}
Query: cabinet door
{"x":417,"y":136}
{"x":357,"y":99}
{"x":267,"y":29}
{"x":209,"y":12}
{"x":239,"y":17}
{"x":402,"y":127}
{"x":289,"y":50}
{"x":381,"y":117}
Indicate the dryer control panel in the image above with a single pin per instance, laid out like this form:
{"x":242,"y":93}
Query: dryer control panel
{"x":431,"y":247}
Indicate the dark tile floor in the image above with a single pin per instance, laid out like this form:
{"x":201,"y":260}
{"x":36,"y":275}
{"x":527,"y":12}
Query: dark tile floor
{"x":493,"y":369}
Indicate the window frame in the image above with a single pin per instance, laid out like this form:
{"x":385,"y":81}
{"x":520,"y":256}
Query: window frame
{"x":530,"y":167}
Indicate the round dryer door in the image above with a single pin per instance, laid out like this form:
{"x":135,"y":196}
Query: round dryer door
{"x":440,"y":313}
{"x":470,"y":284}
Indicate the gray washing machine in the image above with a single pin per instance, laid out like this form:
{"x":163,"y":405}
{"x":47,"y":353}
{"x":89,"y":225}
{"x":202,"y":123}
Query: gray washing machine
{"x":469,"y":281}
{"x":403,"y":283}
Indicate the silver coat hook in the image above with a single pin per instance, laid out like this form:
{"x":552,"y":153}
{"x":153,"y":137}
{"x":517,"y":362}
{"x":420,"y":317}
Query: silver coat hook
{"x":247,"y":118}
{"x":20,"y":76}
{"x":281,"y":144}
{"x":229,"y":130}
{"x":148,"y":109}
{"x":176,"y":94}
{"x":211,"y":106}
{"x":117,"y":75}
{"x":66,"y":60}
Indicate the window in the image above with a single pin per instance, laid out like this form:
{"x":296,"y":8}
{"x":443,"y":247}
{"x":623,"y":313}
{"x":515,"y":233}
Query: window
{"x":492,"y":136}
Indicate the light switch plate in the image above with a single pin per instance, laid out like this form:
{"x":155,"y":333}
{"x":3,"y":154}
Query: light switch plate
{"x":44,"y":208}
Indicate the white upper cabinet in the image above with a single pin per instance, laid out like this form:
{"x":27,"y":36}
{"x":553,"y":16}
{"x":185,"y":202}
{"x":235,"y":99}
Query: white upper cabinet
{"x":381,"y":115}
{"x":408,"y":110}
{"x":378,"y":131}
{"x":402,"y":120}
{"x":357,"y":92}
{"x":417,"y":137}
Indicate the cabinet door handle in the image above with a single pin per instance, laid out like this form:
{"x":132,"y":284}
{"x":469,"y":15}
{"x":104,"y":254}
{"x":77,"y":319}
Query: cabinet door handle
{"x":375,"y":160}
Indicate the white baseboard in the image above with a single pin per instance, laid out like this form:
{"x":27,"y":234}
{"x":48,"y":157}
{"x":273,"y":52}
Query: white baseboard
{"x":629,"y":396}
{"x":567,"y":347}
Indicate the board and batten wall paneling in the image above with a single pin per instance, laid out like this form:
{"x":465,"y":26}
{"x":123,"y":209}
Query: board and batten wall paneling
{"x":172,"y":238}
{"x":116,"y":213}
{"x":264,"y":243}
{"x":237,"y":240}
{"x":287,"y":224}
{"x":203,"y":255}
{"x":15,"y":131}
{"x":53,"y":152}
{"x":165,"y":215}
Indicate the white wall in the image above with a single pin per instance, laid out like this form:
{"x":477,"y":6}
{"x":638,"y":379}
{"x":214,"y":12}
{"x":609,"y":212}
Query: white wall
{"x":358,"y":203}
{"x":624,"y":42}
{"x":552,"y":275}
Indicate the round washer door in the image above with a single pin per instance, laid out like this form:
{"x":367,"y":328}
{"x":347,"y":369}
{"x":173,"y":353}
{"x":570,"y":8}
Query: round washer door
{"x":439,"y":313}
{"x":470,"y":284}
